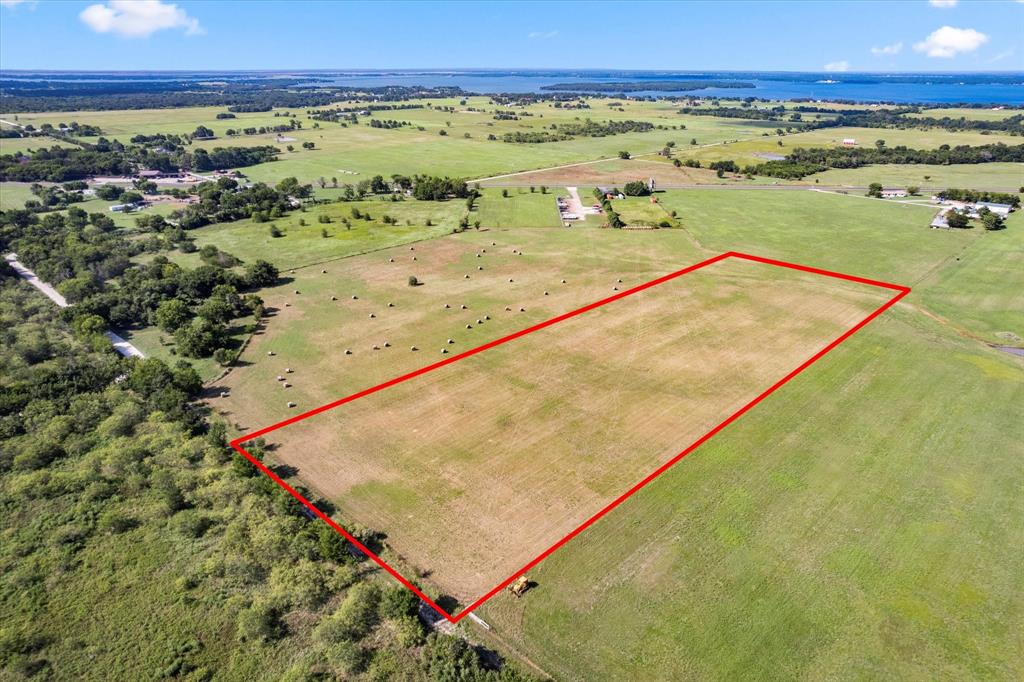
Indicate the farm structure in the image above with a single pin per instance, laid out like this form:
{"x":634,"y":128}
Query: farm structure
{"x":478,"y":466}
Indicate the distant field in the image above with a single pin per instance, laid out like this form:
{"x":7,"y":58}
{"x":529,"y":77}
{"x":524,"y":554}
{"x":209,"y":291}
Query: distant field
{"x":12,"y":145}
{"x":522,"y":208}
{"x":616,"y":173}
{"x":745,"y":152}
{"x":641,"y":211}
{"x":14,"y":195}
{"x":369,"y":151}
{"x":1005,"y":176}
{"x":969,"y":113}
{"x":301,"y":245}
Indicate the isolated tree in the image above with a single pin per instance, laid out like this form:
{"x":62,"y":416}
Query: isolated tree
{"x":913,"y":190}
{"x":261,"y":274}
{"x":875,"y":190}
{"x":624,"y":155}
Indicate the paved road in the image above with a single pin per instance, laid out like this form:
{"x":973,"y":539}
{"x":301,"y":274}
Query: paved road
{"x":120,"y":345}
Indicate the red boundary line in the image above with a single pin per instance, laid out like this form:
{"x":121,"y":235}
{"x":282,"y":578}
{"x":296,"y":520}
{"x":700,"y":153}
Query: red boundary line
{"x":237,"y":443}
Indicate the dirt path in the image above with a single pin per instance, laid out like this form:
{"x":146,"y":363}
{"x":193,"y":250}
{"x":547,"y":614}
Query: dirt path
{"x":120,"y":345}
{"x":575,"y":205}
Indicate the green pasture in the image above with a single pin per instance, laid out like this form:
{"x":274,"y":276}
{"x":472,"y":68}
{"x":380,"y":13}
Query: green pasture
{"x":1005,"y":176}
{"x":301,"y":245}
{"x":522,"y":208}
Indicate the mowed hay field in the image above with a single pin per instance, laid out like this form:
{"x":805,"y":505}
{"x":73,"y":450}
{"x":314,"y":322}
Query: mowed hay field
{"x":863,"y":522}
{"x":474,"y":469}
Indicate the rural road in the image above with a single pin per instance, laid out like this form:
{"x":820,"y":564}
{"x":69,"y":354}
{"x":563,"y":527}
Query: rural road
{"x":120,"y":345}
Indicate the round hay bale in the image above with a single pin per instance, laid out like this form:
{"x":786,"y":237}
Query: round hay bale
{"x":323,"y":272}
{"x":463,"y":306}
{"x":467,"y":275}
{"x":545,"y":293}
{"x":522,"y":310}
{"x":479,"y":321}
{"x":478,"y":255}
{"x":413,"y":348}
{"x":451,"y":340}
{"x":270,"y":352}
{"x":412,"y":248}
{"x":354,"y":297}
{"x":444,"y":351}
{"x":288,"y":370}
{"x":291,"y":272}
{"x":414,"y":257}
{"x":469,"y":326}
{"x":446,"y":306}
{"x":391,"y":305}
{"x":619,"y":281}
{"x":479,"y":267}
{"x":297,"y":292}
{"x":280,"y":378}
{"x":510,"y":280}
{"x":494,"y":243}
{"x":334,"y":298}
{"x":508,"y":309}
{"x":286,"y":385}
{"x":291,"y":404}
{"x":563,"y":281}
{"x":487,"y":317}
{"x":376,"y":347}
{"x":391,"y":260}
{"x":372,"y":316}
{"x":348,"y":351}
{"x":387,"y":345}
{"x":287,"y":305}
{"x":615,"y":288}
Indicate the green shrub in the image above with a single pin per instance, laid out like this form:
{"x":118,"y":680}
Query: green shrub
{"x":354,"y":619}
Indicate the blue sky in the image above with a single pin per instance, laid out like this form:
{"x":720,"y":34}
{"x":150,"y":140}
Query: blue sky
{"x":918,"y":35}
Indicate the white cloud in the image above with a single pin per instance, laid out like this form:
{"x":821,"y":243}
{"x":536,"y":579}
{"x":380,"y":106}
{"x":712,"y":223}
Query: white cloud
{"x":542,"y":34}
{"x":942,"y":3}
{"x":841,"y":65}
{"x":895,"y":48}
{"x":947,"y":42}
{"x":15,"y":3}
{"x":138,"y":18}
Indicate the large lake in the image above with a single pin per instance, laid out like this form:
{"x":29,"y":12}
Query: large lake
{"x":945,"y":88}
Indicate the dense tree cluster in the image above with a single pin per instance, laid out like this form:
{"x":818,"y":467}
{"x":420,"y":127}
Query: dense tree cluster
{"x":802,"y":162}
{"x":975,"y":195}
{"x":432,"y":188}
{"x":106,"y":458}
{"x":568,"y":131}
{"x":61,"y":164}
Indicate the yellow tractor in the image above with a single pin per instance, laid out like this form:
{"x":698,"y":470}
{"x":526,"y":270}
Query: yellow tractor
{"x":520,"y":586}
